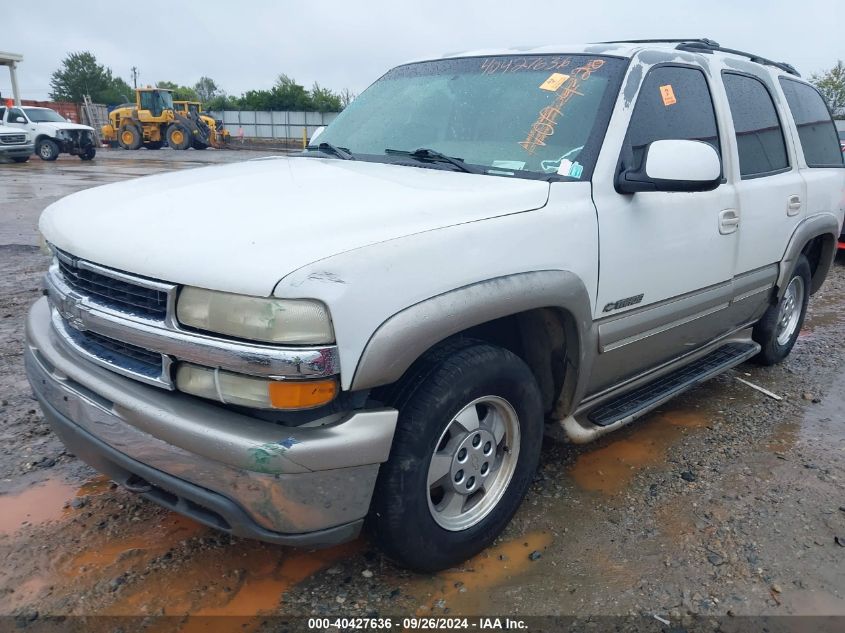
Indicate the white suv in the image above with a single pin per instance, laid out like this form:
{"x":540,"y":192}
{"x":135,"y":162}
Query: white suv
{"x":477,"y":246}
{"x":52,"y":134}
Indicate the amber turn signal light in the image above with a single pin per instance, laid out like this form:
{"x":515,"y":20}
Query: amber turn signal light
{"x":301,"y":394}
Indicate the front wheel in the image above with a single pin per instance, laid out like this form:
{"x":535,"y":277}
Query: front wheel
{"x":778,"y":330}
{"x":89,"y":153}
{"x":466,"y":447}
{"x":178,"y":137}
{"x":47,"y":149}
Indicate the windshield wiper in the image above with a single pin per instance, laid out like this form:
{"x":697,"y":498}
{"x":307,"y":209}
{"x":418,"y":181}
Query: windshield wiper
{"x":334,"y":150}
{"x":425,"y":154}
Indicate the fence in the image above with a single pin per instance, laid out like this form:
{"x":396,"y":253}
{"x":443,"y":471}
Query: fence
{"x":266,"y":124}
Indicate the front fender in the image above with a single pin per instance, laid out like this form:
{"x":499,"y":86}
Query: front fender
{"x":406,"y":336}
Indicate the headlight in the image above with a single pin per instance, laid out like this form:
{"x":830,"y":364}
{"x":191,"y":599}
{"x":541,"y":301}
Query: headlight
{"x":249,"y":391}
{"x":293,"y":321}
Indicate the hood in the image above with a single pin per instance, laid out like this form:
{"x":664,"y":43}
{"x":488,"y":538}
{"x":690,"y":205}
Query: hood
{"x":241,"y":227}
{"x":55,"y":125}
{"x":8,"y":129}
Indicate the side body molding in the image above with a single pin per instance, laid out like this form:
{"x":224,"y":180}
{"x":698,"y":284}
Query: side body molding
{"x":815,"y":225}
{"x":405,"y":336}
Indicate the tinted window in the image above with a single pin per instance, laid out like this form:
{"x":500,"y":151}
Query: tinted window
{"x":2,"y":112}
{"x":759,"y":137}
{"x":14,"y":113}
{"x":674,"y":103}
{"x":815,"y":127}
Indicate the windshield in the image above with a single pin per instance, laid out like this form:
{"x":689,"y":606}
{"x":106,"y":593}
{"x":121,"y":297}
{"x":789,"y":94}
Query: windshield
{"x":45,"y":115}
{"x":534,"y":116}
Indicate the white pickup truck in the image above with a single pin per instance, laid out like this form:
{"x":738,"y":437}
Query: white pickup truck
{"x":15,"y":144}
{"x":51,"y":133}
{"x":378,"y":329}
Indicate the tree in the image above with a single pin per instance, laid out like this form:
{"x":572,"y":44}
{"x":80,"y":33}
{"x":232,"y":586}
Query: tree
{"x":831,"y":84}
{"x":324,"y":100}
{"x":346,"y":97}
{"x":180,"y":93}
{"x":80,"y":74}
{"x":206,"y":89}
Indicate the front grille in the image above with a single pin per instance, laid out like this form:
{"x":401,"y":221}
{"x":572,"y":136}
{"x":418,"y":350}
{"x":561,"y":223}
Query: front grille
{"x":115,"y":293}
{"x":117,"y":353}
{"x":13,"y":139}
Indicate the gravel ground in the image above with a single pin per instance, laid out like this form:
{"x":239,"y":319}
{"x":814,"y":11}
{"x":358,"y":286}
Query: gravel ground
{"x":723,"y":503}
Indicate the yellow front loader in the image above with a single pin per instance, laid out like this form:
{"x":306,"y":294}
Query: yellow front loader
{"x":153,"y":121}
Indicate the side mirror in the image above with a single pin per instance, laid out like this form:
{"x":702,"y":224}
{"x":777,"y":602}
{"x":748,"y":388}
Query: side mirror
{"x":316,"y":133}
{"x":20,"y":119}
{"x":674,"y":165}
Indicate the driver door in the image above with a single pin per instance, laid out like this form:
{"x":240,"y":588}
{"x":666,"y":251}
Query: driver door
{"x":666,"y":259}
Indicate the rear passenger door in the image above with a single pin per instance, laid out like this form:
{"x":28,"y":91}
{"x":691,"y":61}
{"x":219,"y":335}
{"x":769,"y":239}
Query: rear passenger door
{"x":819,"y":157}
{"x":666,"y":259}
{"x":772,"y":194}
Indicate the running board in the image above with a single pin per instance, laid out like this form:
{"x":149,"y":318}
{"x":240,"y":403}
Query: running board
{"x":651,"y":395}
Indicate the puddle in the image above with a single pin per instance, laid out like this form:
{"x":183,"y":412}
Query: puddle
{"x":463,"y":590}
{"x":610,"y":467}
{"x":153,"y":541}
{"x":35,"y":505}
{"x":244,"y":579}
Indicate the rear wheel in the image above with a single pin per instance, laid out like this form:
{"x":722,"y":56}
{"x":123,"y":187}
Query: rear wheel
{"x":178,"y":136}
{"x":778,"y":330}
{"x":47,"y":149}
{"x":129,"y":137}
{"x":465,"y":451}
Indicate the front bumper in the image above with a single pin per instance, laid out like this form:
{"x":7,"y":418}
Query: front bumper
{"x":307,"y":485}
{"x":16,"y":151}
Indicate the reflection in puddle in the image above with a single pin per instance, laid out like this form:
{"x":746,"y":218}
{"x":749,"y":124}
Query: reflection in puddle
{"x":610,"y":468}
{"x":246,"y":578}
{"x":155,"y":539}
{"x":34,"y":505}
{"x":462,"y":590}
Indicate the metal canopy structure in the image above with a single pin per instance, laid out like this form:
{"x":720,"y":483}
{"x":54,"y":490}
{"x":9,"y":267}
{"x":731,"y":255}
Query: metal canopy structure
{"x":11,"y":60}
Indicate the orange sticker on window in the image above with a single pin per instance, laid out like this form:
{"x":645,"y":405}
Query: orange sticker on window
{"x":668,"y":95}
{"x":554,"y":82}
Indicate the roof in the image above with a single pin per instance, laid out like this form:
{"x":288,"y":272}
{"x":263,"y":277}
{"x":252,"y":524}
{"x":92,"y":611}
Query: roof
{"x":629,"y":48}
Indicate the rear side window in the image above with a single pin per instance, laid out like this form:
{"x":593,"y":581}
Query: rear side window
{"x":759,"y":136}
{"x":674,"y":104}
{"x":815,"y":126}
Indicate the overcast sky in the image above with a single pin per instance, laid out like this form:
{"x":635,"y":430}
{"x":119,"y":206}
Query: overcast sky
{"x":246,"y":44}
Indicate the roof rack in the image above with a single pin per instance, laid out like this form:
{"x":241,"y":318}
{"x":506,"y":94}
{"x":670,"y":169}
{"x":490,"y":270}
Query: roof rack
{"x":705,"y":45}
{"x":708,"y":46}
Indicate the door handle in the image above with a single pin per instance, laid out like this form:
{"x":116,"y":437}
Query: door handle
{"x":793,"y":206}
{"x":728,"y":221}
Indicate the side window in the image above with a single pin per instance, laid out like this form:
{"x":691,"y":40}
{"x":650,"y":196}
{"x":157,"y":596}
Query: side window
{"x":146,"y":100}
{"x":14,"y":113}
{"x":815,"y":126}
{"x":2,"y":112}
{"x":674,"y":104}
{"x":759,"y":136}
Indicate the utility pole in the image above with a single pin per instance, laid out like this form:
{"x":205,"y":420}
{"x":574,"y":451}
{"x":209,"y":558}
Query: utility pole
{"x":135,"y":77}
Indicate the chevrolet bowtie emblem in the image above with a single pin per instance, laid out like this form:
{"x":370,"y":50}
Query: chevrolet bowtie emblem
{"x":72,"y":310}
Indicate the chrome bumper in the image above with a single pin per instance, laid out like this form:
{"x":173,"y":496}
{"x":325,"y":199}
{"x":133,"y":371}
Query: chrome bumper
{"x":288,"y":481}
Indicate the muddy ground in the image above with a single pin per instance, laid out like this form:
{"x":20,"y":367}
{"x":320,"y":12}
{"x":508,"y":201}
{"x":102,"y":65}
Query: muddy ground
{"x":723,"y":503}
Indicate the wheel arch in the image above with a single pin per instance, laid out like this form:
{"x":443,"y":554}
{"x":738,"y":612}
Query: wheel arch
{"x":815,"y":237}
{"x":544,"y":317}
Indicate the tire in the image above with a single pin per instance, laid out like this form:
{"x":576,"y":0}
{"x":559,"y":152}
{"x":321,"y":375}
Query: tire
{"x":129,"y":137}
{"x":154,"y":144}
{"x":413,"y":521}
{"x":20,"y":159}
{"x":778,"y":330}
{"x":88,"y":154}
{"x":178,"y":136}
{"x":47,"y":149}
